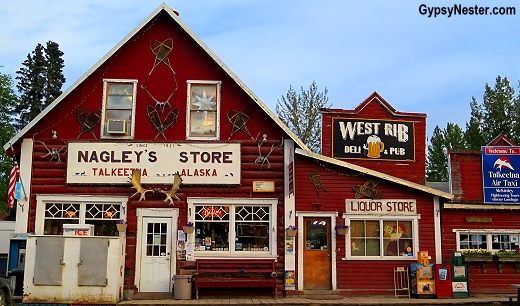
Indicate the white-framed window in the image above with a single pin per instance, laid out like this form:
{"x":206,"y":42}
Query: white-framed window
{"x":490,"y":240}
{"x":388,"y":237}
{"x":118,"y":113}
{"x":53,"y":211}
{"x":203,"y":110}
{"x":233,"y":226}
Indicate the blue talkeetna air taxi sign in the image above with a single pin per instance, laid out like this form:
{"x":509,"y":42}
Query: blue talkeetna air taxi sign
{"x":501,"y":175}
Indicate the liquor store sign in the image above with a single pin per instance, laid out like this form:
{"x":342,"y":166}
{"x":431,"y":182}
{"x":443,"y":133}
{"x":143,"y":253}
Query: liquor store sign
{"x":373,"y":139}
{"x":113,"y":163}
{"x":381,"y":207}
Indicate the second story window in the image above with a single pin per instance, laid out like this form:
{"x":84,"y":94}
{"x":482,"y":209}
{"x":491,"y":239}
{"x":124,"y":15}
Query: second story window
{"x":118,"y":109}
{"x":202,"y":120}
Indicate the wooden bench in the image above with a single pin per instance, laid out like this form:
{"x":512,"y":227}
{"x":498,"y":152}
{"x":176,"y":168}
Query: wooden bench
{"x":235,"y":273}
{"x":511,"y":297}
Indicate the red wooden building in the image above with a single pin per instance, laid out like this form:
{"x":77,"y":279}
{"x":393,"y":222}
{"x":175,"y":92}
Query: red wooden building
{"x":160,"y":101}
{"x":484,"y":215}
{"x":369,"y":178}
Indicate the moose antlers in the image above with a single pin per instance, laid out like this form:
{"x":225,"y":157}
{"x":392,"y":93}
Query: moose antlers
{"x":136,"y":183}
{"x":262,"y":159}
{"x":170,"y":194}
{"x":177,"y":180}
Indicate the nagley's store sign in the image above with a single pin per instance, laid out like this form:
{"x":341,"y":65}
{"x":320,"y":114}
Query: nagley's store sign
{"x":373,"y":139}
{"x":113,"y":163}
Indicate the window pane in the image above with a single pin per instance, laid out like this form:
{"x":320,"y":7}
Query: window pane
{"x":365,"y":238}
{"x":203,"y":123}
{"x":212,"y":212}
{"x":104,"y":227}
{"x":55,"y":226}
{"x":119,"y":115}
{"x":316,"y":233}
{"x":120,"y":89}
{"x":476,"y":241}
{"x":252,"y":236}
{"x":119,"y":102}
{"x":212,"y":236}
{"x":215,"y":230}
{"x":203,"y":97}
{"x":397,"y":238}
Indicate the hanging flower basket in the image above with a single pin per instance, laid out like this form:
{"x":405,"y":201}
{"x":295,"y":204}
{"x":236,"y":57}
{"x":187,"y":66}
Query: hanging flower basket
{"x":291,"y":231}
{"x":188,"y":228}
{"x":342,"y":230}
{"x":121,"y":225}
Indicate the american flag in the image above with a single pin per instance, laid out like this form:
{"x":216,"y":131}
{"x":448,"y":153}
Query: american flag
{"x":13,"y":178}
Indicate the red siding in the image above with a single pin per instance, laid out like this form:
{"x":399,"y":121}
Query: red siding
{"x":134,"y":61}
{"x":374,"y":108}
{"x":491,"y":282}
{"x":466,"y":176}
{"x":355,"y":276}
{"x":49,"y":178}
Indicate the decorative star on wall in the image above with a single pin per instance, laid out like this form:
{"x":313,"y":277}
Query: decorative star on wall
{"x":204,"y":102}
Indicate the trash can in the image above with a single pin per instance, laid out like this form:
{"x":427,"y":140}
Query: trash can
{"x":182,"y":287}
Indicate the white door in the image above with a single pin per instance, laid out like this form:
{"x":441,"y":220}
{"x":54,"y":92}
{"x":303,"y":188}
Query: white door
{"x":155,"y":258}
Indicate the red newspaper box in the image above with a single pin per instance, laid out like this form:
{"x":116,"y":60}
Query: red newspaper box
{"x":443,"y":281}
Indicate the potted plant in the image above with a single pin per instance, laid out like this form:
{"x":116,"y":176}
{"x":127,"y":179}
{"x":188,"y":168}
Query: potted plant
{"x":479,"y":255}
{"x":291,"y":231}
{"x":508,"y":256}
{"x":342,"y":229}
{"x":188,"y":228}
{"x":121,"y":225}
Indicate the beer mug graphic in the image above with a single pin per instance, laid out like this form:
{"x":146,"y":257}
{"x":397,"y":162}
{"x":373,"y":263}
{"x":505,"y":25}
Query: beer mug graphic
{"x":375,"y":146}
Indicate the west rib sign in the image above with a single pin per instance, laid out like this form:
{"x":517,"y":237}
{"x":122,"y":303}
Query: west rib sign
{"x":373,"y":139}
{"x":501,"y":175}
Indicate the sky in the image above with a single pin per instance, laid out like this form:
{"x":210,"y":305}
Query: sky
{"x":417,"y":62}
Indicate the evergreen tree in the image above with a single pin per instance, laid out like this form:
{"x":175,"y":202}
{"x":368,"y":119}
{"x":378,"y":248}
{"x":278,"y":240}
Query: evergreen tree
{"x":473,"y":137}
{"x":39,"y":82}
{"x":436,"y":170}
{"x":301,"y":113}
{"x":497,"y":110}
{"x":7,"y":98}
{"x":451,"y":138}
{"x":454,"y":137}
{"x":54,"y":72}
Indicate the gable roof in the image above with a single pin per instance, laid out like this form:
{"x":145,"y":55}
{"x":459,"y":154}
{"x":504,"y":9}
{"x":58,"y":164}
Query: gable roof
{"x":375,"y":173}
{"x":173,"y":14}
{"x":375,"y":97}
{"x":501,"y":140}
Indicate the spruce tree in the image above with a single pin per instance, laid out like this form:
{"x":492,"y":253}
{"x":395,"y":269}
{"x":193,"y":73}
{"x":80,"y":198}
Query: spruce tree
{"x":436,"y":170}
{"x":497,"y":110}
{"x":54,"y":72}
{"x":473,"y":137}
{"x":39,"y":82}
{"x":301,"y":113}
